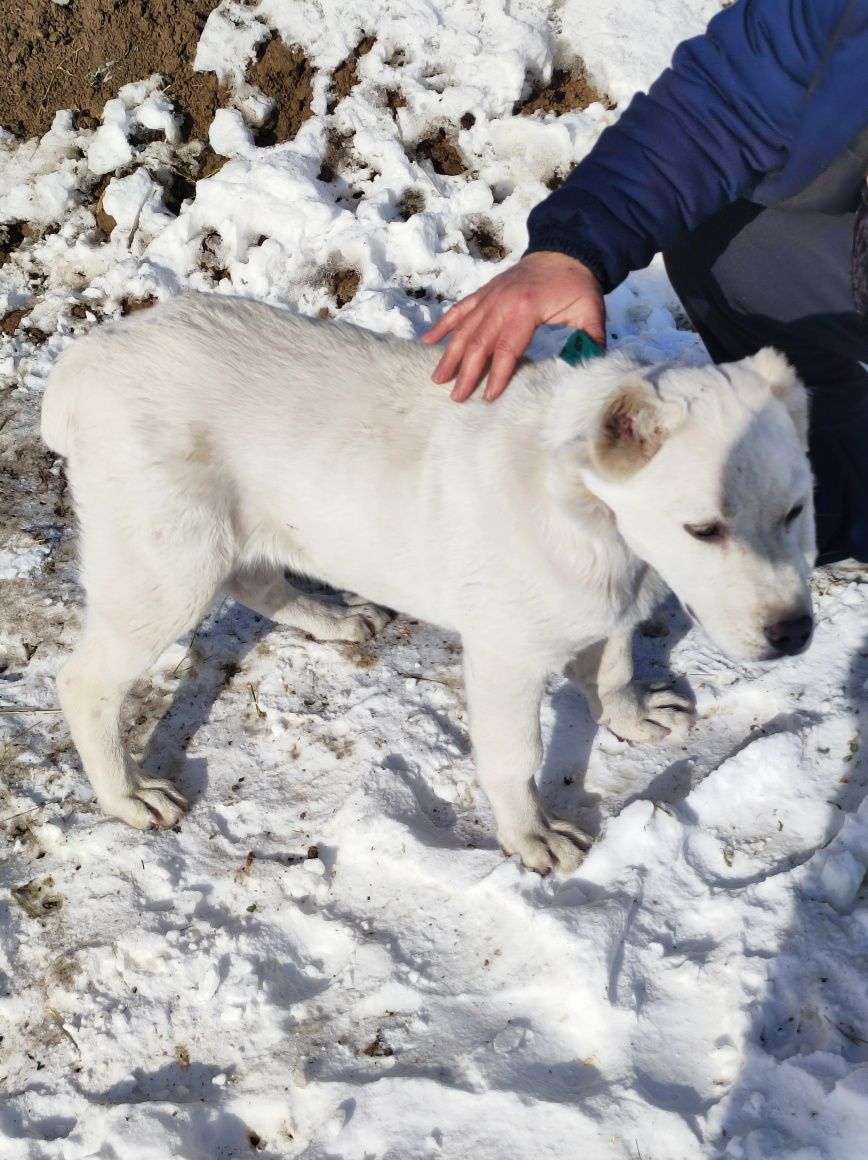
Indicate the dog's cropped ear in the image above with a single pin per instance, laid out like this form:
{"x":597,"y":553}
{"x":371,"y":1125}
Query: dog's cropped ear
{"x":785,"y":385}
{"x":634,"y":425}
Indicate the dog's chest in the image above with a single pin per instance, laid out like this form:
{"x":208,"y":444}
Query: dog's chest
{"x":565,"y":614}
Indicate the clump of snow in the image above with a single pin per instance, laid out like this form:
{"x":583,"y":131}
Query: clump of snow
{"x":139,"y":103}
{"x":21,"y":556}
{"x":39,"y":179}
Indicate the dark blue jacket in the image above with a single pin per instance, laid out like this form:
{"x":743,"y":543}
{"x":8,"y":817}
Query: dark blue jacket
{"x":757,"y":107}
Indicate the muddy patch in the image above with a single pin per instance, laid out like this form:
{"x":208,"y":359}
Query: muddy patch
{"x":346,"y":75}
{"x":342,"y":282}
{"x":284,"y":74}
{"x":411,"y":201}
{"x":485,"y":240}
{"x":337,"y":154}
{"x":570,"y":88}
{"x":440,"y":148}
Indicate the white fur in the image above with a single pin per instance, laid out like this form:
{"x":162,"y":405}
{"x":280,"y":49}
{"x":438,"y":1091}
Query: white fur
{"x":214,"y":442}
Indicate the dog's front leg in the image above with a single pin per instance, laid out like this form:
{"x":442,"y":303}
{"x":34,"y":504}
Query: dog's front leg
{"x":632,"y":710}
{"x":504,"y":699}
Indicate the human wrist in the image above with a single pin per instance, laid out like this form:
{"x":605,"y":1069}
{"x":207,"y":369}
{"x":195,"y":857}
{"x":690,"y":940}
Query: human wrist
{"x":579,"y":252}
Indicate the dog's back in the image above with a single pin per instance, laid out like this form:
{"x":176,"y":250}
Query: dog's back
{"x":318,"y":445}
{"x":202,"y":349}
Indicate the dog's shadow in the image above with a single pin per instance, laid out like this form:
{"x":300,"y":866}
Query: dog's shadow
{"x":562,"y":779}
{"x":215,"y":654}
{"x":220,"y":644}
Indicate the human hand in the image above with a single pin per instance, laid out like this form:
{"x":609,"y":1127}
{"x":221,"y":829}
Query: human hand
{"x":495,"y":325}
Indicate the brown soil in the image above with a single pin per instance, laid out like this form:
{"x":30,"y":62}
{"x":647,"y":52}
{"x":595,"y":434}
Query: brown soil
{"x":484,"y":240}
{"x":10,"y":322}
{"x":11,"y":237}
{"x":336,"y":155}
{"x":78,"y":56}
{"x":283,"y":73}
{"x":570,"y":88}
{"x":395,"y":100}
{"x":345,"y":75}
{"x":441,"y":149}
{"x":411,"y":201}
{"x":342,"y":283}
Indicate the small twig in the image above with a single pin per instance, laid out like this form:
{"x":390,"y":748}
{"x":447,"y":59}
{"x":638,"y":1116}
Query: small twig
{"x":48,"y":89}
{"x":848,"y":1034}
{"x":185,"y":657}
{"x":260,"y":713}
{"x":12,"y":817}
{"x":419,"y":677}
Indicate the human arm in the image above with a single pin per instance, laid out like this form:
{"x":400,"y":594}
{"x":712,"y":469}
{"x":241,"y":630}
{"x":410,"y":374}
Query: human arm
{"x":725,"y":115}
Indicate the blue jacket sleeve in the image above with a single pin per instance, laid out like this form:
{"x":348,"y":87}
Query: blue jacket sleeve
{"x":728,"y":112}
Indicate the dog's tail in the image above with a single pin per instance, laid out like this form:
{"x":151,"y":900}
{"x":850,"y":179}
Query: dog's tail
{"x":64,"y":396}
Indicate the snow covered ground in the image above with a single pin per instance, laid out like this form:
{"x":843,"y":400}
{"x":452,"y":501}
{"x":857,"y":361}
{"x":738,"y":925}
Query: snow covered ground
{"x":330,"y":958}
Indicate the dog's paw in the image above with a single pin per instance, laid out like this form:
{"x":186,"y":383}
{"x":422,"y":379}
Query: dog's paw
{"x":356,"y":624}
{"x":550,"y":844}
{"x":647,"y":711}
{"x":376,"y":617}
{"x":151,"y":804}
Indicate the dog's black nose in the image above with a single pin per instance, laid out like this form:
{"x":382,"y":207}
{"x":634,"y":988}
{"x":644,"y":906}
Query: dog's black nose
{"x":790,"y":636}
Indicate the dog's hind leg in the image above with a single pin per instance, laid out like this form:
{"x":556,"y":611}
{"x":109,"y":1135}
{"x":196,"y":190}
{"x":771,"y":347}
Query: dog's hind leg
{"x":138,"y":603}
{"x":269,"y":593}
{"x":504,"y":701}
{"x":632,"y":710}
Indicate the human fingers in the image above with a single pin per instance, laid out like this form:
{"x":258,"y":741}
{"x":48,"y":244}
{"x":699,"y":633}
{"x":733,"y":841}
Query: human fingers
{"x":447,"y":322}
{"x":453,"y":354}
{"x":477,"y":354}
{"x":504,"y":321}
{"x":512,"y":342}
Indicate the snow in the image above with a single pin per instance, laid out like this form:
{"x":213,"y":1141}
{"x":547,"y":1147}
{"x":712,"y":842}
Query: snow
{"x":330,"y":957}
{"x":628,"y":45}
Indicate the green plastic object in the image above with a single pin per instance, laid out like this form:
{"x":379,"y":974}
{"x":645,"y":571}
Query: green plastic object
{"x":579,"y":348}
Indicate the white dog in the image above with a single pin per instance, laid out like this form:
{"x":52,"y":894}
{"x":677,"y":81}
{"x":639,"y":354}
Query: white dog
{"x":214,"y":443}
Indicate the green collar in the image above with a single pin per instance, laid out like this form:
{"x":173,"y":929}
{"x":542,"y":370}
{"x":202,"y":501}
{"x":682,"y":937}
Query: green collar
{"x":579,"y":348}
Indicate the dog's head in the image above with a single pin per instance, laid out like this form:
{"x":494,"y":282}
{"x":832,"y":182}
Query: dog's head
{"x":706,"y":474}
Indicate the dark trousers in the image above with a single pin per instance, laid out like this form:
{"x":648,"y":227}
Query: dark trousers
{"x":753,"y":277}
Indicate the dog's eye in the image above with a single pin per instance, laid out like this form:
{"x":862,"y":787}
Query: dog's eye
{"x":794,"y":513}
{"x":710,"y":533}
